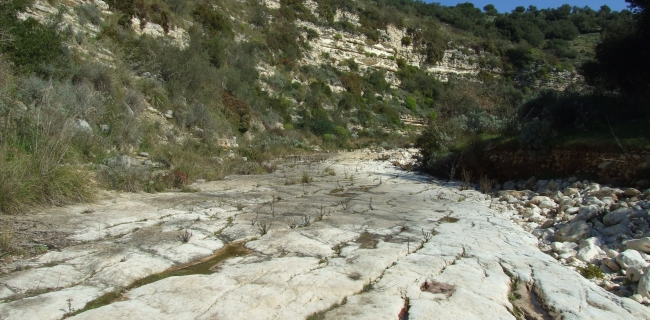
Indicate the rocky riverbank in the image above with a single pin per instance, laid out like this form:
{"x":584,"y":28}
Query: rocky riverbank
{"x":601,"y":231}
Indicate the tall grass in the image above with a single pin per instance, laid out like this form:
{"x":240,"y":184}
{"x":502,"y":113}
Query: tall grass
{"x":36,"y":150}
{"x":33,"y":179}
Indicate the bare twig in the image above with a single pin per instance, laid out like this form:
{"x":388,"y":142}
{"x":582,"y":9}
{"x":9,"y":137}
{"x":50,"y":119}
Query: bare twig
{"x":620,"y":145}
{"x":426,"y":234}
{"x":264,"y":227}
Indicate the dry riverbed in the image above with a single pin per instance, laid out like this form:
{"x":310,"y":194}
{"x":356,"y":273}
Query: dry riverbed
{"x":361,"y":240}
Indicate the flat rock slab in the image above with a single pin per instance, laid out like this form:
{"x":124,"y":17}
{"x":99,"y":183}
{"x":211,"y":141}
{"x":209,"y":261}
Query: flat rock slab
{"x":378,"y":243}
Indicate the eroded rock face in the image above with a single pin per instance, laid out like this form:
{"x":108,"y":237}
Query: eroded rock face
{"x":377,"y":237}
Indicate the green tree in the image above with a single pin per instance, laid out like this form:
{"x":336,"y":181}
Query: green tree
{"x":623,"y":57}
{"x":490,"y":10}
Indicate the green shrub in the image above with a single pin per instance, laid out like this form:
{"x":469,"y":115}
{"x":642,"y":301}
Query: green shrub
{"x":433,"y":116}
{"x":213,"y":21}
{"x":351,"y":63}
{"x":432,"y":143}
{"x":377,"y":79}
{"x":390,"y":114}
{"x":562,"y":29}
{"x":320,"y":123}
{"x":535,"y":136}
{"x":284,"y":37}
{"x":89,"y":13}
{"x":411,"y":103}
{"x":591,"y":271}
{"x":33,"y":46}
{"x":341,"y":133}
{"x":479,"y":121}
{"x":311,"y":34}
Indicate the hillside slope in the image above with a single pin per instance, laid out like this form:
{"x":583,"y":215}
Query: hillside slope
{"x":149,"y":95}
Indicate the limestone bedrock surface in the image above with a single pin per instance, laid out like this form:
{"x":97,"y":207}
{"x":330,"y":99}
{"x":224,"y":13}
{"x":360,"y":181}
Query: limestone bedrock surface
{"x":361,"y":240}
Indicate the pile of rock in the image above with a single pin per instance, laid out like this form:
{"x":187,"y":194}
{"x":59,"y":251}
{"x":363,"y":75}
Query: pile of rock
{"x":582,"y":223}
{"x":126,"y":162}
{"x":402,"y":157}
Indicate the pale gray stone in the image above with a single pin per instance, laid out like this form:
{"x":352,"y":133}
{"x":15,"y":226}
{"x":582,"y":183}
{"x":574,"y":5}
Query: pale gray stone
{"x":586,"y":213}
{"x":593,"y":241}
{"x":644,"y":284}
{"x":633,"y":273}
{"x":590,"y":254}
{"x":611,"y":264}
{"x":617,"y":216}
{"x":629,"y":258}
{"x":616,"y":230}
{"x":573,"y":232}
{"x":642,"y":244}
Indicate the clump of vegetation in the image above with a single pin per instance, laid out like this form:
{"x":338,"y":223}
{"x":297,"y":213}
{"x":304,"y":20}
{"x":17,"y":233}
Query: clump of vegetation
{"x":591,"y":271}
{"x":185,"y":235}
{"x":305,"y":179}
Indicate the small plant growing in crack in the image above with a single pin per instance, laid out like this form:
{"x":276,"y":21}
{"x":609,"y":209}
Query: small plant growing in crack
{"x":185,"y":235}
{"x":292,"y":223}
{"x":321,"y":213}
{"x":306,"y":220}
{"x":452,"y":171}
{"x":264,"y":227}
{"x":337,"y":250}
{"x":466,"y":175}
{"x":485,"y":184}
{"x":426,"y":234}
{"x":305,"y":178}
{"x":273,"y":206}
{"x":70,"y":310}
{"x":368,"y":286}
{"x":240,"y":206}
{"x":404,"y":313}
{"x":512,"y":295}
{"x":345,"y":204}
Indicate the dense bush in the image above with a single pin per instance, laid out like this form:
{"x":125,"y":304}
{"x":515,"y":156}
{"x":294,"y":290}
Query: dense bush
{"x":535,"y":135}
{"x":28,"y":44}
{"x":213,"y":21}
{"x":433,"y":143}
